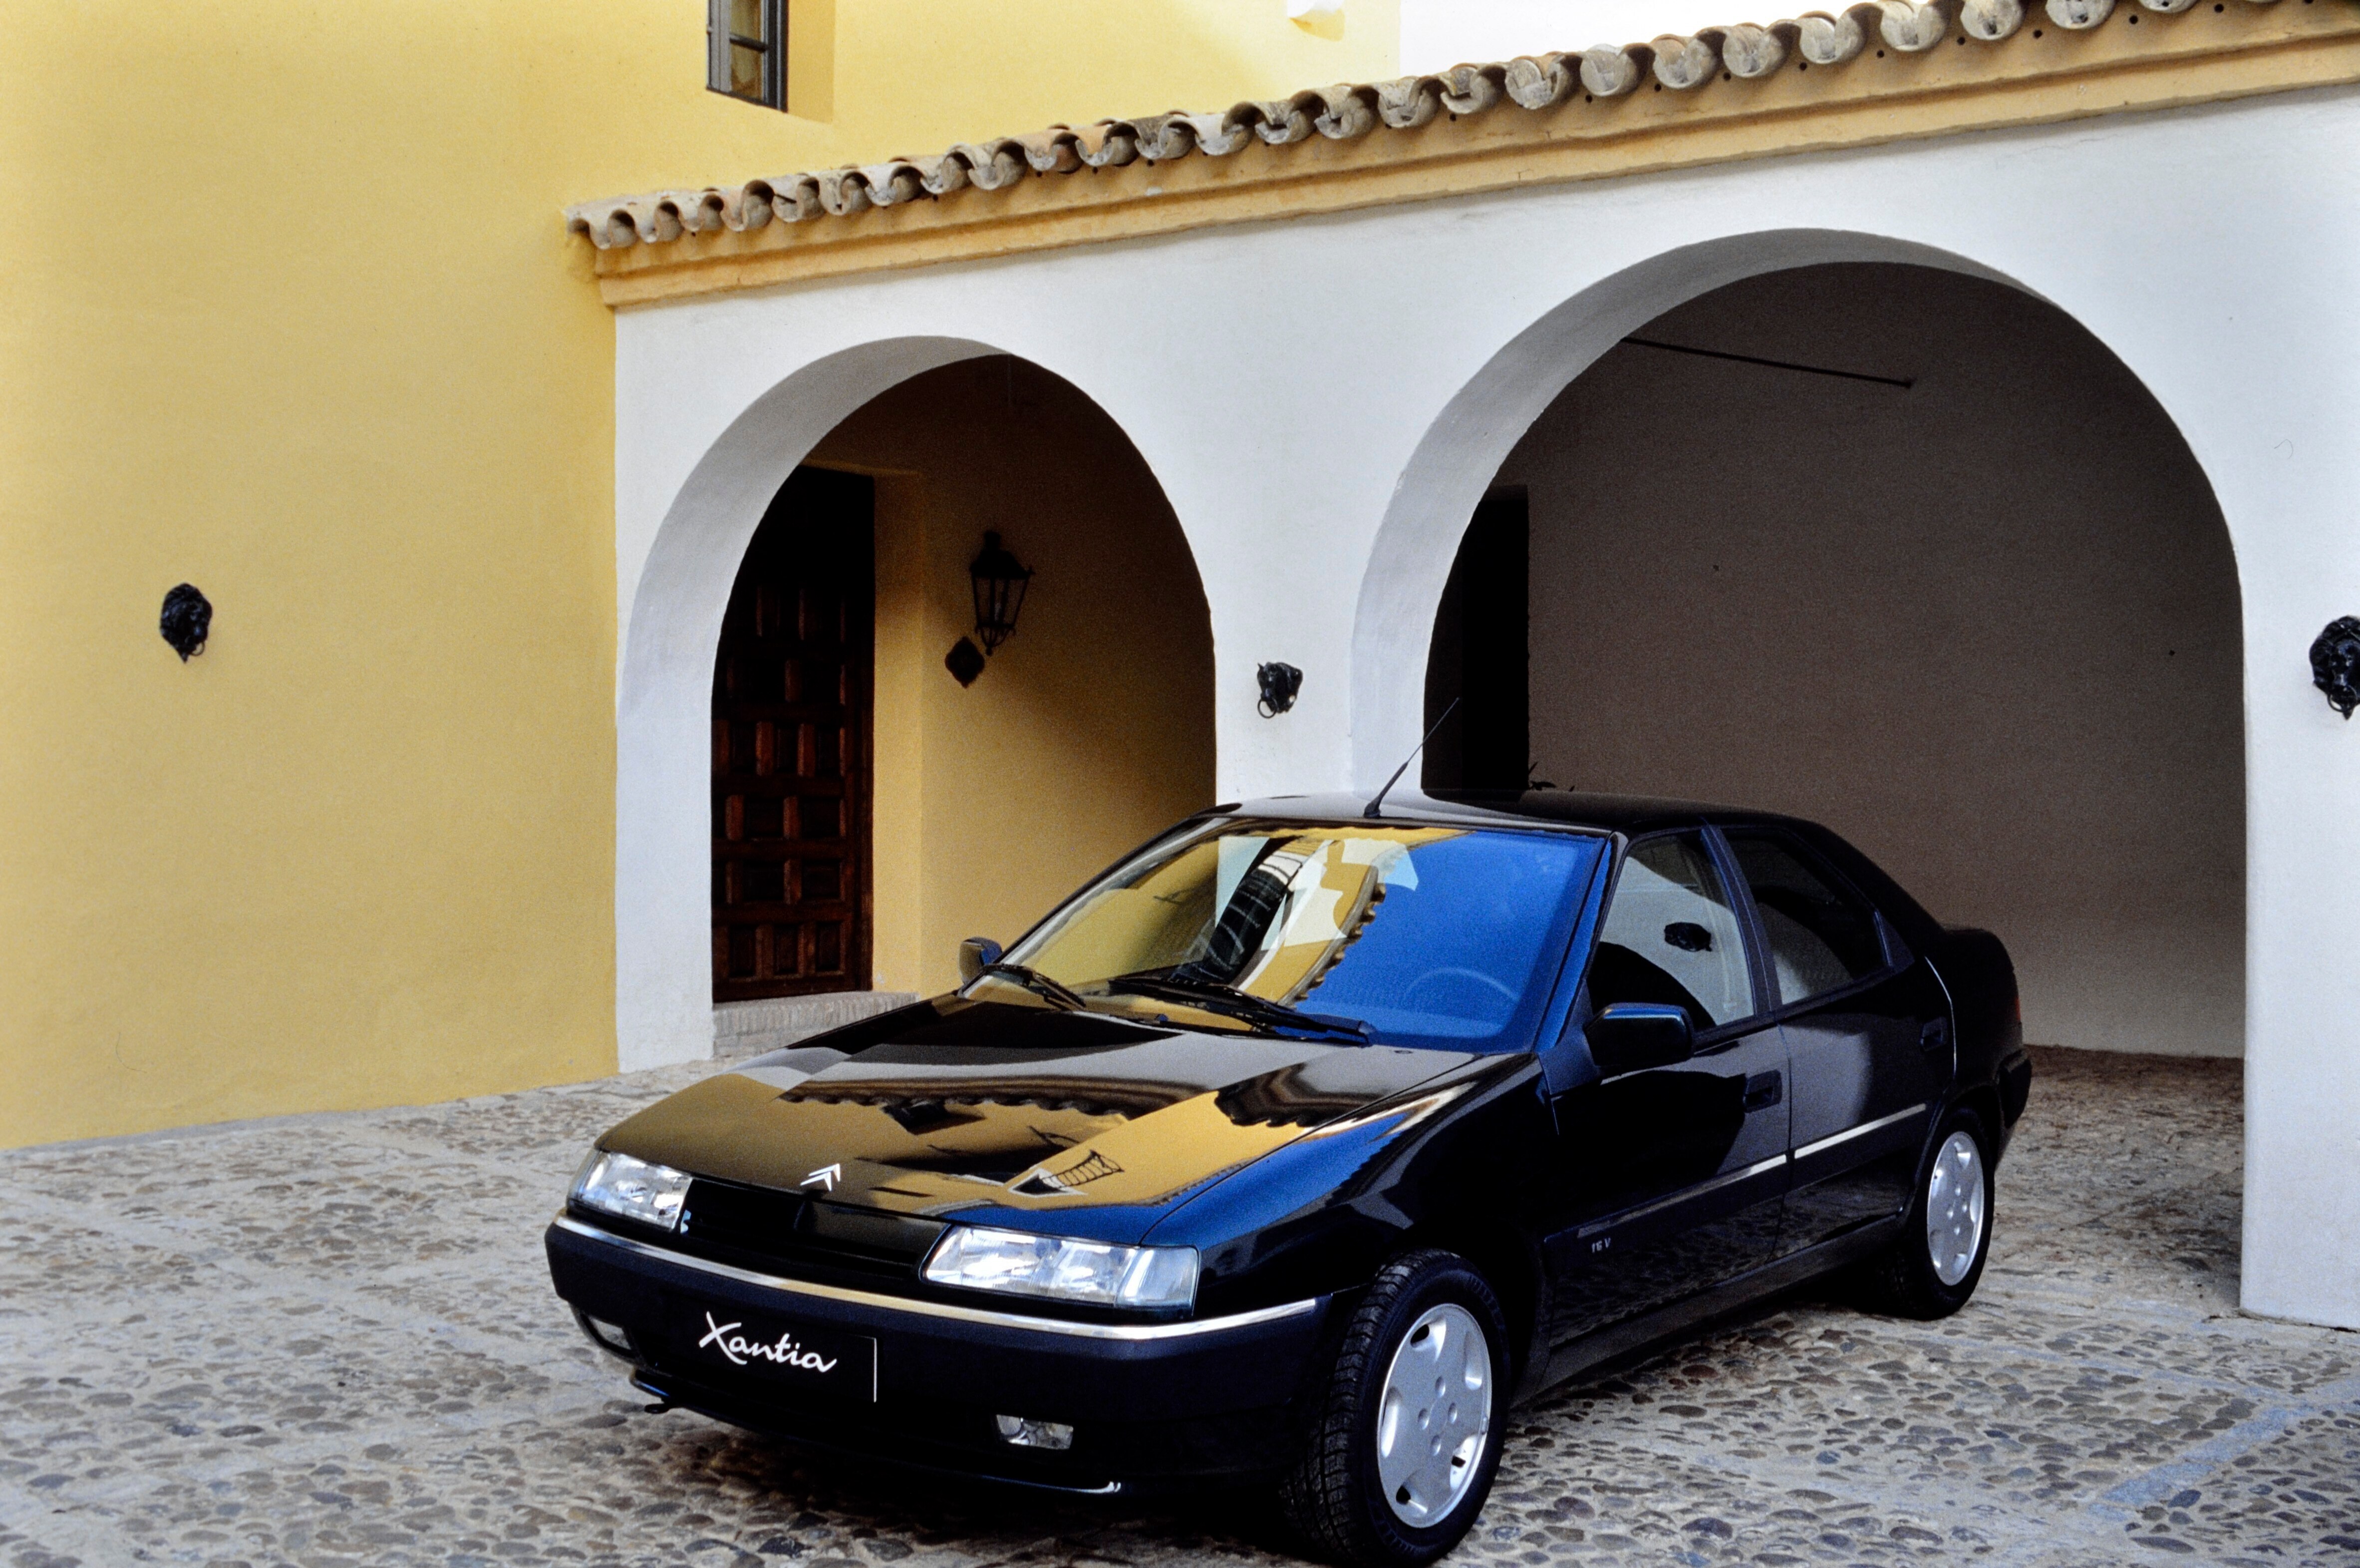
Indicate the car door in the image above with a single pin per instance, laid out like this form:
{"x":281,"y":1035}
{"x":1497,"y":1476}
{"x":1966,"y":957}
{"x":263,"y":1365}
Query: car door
{"x":1669,"y":1178}
{"x":1866,"y":1034}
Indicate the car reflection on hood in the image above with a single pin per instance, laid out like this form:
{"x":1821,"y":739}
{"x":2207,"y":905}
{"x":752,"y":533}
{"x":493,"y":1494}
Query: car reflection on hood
{"x":962,"y":1105}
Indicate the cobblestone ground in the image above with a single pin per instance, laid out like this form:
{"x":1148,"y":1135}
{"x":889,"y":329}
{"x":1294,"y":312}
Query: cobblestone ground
{"x":330,"y":1339}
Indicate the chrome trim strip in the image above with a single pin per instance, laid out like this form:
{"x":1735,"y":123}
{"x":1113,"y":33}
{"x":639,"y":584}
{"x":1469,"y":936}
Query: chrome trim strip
{"x":1729,"y":1179}
{"x":1125,"y":1332}
{"x":1807,"y":1150}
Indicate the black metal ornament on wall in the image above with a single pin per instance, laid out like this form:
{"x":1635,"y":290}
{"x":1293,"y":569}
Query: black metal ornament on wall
{"x":1280,"y":683}
{"x":2335,"y":664}
{"x":187,"y":622}
{"x":964,"y":660}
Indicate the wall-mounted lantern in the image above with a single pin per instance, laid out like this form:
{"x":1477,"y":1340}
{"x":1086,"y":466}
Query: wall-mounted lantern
{"x":999,"y":581}
{"x":1280,"y":683}
{"x":187,"y":620}
{"x":2336,"y":664}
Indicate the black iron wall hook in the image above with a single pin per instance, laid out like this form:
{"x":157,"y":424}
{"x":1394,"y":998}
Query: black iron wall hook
{"x":1279,"y":684}
{"x":187,"y":622}
{"x":2336,"y":664}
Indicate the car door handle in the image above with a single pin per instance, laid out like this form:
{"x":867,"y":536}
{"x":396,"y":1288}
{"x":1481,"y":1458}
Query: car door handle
{"x":1935,"y":1036}
{"x":1763,"y":1090}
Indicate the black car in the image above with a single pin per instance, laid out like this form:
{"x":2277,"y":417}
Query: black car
{"x":1302,"y":1142}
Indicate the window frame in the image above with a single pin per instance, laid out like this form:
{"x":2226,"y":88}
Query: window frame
{"x":1584,"y":912}
{"x":1732,"y":877}
{"x":1766,"y":974}
{"x":719,"y":38}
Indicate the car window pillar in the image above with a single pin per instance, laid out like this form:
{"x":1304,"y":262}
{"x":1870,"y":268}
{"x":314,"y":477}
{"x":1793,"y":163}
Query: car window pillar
{"x":1565,"y":1055}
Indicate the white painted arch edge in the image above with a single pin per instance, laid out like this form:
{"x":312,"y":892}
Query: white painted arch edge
{"x":663,"y":960}
{"x":1457,"y":458}
{"x":2302,"y":1219}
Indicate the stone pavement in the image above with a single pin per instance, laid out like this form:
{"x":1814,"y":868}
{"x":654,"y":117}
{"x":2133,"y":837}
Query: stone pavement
{"x":330,"y":1339}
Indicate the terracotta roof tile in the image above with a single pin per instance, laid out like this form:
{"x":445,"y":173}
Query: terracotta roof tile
{"x":1530,"y":82}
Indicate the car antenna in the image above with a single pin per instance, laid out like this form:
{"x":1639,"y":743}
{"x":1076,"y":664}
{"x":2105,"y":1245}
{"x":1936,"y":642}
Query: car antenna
{"x":1376,"y":802}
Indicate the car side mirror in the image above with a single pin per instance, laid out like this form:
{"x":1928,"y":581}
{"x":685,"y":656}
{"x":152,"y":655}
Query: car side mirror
{"x":977,"y":954}
{"x":1634,"y":1034}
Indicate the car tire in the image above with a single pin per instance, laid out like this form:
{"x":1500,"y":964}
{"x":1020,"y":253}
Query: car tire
{"x":1361,"y":1493}
{"x":1932,"y":1268}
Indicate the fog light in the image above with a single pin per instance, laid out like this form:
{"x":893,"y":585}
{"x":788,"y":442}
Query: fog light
{"x":1026,"y":1433}
{"x":612,"y":1338}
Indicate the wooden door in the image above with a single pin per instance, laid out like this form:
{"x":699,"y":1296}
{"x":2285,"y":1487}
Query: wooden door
{"x":792,"y":692}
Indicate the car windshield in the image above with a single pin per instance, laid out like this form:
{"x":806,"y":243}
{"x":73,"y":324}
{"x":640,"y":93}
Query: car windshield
{"x":1437,"y":937}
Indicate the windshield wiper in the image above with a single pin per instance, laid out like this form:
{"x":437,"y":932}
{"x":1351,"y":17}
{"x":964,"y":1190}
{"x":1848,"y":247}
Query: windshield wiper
{"x":1039,"y":984}
{"x":1242,"y":1005}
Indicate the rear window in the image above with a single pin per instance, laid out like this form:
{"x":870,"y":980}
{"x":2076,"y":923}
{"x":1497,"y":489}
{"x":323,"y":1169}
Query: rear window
{"x":1821,"y":935}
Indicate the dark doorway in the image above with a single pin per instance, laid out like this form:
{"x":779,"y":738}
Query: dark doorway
{"x":2016,"y":682}
{"x":791,"y":693}
{"x":1478,"y":656}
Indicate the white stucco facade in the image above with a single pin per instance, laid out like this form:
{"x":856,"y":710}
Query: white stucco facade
{"x":1325,"y":400}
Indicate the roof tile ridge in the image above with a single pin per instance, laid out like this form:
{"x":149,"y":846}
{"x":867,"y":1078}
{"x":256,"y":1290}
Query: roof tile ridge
{"x":1677,"y":62}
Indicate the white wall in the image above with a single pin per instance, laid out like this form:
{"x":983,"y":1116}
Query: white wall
{"x":1323,"y":402}
{"x":1985,"y":626}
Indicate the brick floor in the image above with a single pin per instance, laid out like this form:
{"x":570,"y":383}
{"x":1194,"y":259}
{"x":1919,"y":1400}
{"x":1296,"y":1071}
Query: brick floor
{"x":330,"y":1339}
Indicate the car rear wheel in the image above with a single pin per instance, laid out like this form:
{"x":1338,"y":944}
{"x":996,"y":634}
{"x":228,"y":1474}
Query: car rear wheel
{"x":1404,"y":1442}
{"x":1932,"y":1268}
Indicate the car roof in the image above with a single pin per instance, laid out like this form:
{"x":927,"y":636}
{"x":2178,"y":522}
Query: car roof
{"x":1625,"y":814}
{"x":1628,"y":815}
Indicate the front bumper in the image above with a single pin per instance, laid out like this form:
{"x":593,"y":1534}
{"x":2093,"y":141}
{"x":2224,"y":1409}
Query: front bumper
{"x":1147,"y":1402}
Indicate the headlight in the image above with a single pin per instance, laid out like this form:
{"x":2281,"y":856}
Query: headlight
{"x":1094,"y":1274}
{"x":631,"y":1188}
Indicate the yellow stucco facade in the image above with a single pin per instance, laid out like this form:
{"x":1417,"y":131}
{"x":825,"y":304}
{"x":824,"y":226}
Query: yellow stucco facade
{"x":360,"y":851}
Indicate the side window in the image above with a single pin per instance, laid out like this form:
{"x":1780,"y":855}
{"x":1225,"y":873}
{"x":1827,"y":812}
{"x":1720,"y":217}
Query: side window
{"x":746,"y":49}
{"x":1671,"y":936}
{"x":1821,"y":937}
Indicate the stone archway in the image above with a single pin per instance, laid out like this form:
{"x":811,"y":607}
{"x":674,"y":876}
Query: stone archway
{"x":1933,"y":568}
{"x":1462,"y":448}
{"x":1462,"y":454}
{"x":1077,"y":695}
{"x":663,"y":989}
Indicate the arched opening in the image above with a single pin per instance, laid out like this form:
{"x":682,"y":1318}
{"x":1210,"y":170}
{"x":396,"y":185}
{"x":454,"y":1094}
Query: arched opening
{"x":947,"y":801}
{"x":1909,"y":552}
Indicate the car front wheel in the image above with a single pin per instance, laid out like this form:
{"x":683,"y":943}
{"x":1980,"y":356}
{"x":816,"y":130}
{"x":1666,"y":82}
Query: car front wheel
{"x":1402,"y":1453}
{"x":1931,"y":1267}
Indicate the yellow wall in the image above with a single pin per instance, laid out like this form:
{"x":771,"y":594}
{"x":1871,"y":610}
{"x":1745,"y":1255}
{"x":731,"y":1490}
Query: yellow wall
{"x":291,"y":316}
{"x":1091,"y":730}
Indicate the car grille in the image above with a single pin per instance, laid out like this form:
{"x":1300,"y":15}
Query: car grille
{"x":787,"y":1233}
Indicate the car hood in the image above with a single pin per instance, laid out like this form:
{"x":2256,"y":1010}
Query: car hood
{"x":1075,"y":1123}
